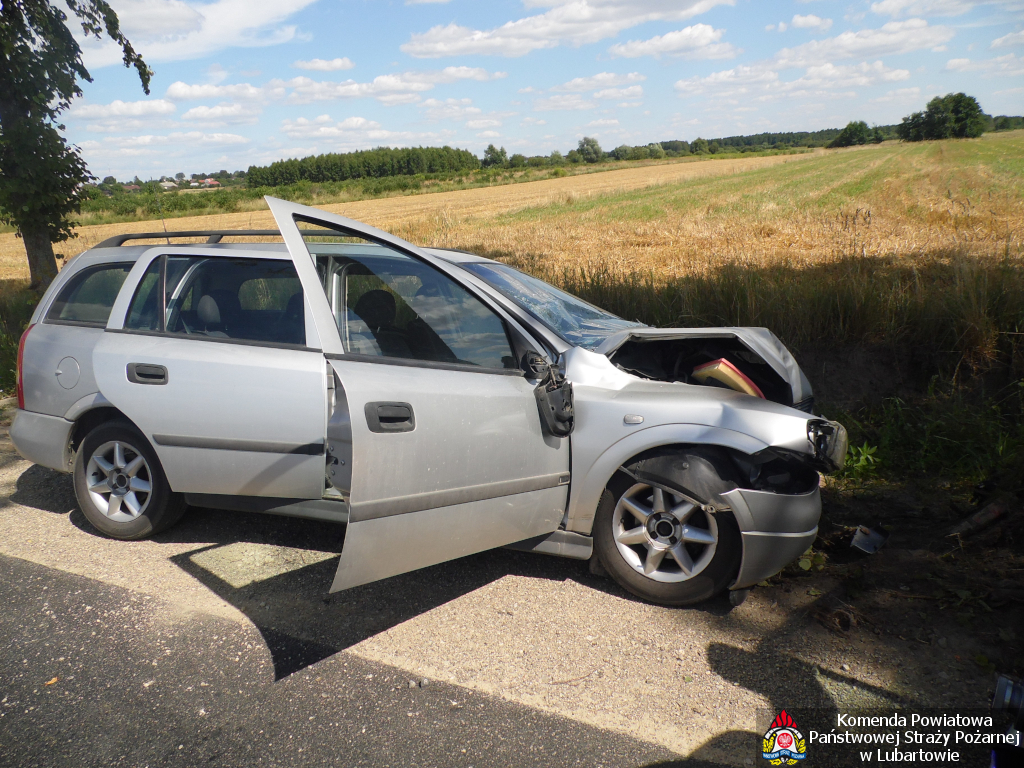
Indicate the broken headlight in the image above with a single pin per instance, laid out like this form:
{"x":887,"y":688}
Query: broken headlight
{"x":829,"y":441}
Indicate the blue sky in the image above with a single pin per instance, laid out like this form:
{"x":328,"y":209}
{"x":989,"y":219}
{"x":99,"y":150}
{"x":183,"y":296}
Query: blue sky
{"x":239,"y":82}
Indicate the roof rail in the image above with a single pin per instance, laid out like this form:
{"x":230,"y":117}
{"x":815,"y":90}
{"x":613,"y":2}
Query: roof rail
{"x":212,"y":236}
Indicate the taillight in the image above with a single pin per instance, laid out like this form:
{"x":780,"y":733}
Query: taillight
{"x":21,"y":366}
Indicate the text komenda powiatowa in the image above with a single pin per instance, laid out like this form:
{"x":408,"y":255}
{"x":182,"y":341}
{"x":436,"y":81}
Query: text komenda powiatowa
{"x":923,"y":738}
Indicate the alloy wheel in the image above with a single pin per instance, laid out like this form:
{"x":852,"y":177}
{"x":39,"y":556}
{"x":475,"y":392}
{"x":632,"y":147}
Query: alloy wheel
{"x":663,"y":535}
{"x":119,"y":480}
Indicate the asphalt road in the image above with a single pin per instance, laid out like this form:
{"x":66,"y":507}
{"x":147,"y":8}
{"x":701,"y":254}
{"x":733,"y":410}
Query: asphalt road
{"x":96,"y":675}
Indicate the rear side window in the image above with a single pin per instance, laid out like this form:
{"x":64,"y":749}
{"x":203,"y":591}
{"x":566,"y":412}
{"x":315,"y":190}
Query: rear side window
{"x":256,"y":300}
{"x":89,"y":295}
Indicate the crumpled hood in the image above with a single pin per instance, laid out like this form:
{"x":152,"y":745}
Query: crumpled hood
{"x":760,"y":341}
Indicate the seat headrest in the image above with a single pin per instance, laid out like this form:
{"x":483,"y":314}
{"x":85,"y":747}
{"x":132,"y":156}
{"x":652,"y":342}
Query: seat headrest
{"x":376,"y":308}
{"x":208,"y":310}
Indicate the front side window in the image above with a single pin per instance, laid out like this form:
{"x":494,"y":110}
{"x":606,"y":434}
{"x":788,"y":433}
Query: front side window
{"x":389,"y":304}
{"x":221,"y":298}
{"x":88,"y":296}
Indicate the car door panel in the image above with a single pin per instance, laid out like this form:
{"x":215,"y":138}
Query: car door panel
{"x":231,"y":418}
{"x":387,"y":546}
{"x":456,"y":461}
{"x":469,"y":432}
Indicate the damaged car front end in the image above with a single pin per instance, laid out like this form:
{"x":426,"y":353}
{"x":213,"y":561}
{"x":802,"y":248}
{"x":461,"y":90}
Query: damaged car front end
{"x":695,"y":452}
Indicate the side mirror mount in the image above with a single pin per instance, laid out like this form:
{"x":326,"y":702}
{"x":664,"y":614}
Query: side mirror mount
{"x":553,"y":393}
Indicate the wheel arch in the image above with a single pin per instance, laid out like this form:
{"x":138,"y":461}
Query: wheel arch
{"x":588,"y":488}
{"x":95,"y":417}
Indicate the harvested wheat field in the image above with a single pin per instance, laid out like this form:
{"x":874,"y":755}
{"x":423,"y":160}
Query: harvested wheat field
{"x":904,"y":200}
{"x":429,"y":212}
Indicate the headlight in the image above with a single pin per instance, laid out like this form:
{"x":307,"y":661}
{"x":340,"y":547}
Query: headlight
{"x":830,"y":442}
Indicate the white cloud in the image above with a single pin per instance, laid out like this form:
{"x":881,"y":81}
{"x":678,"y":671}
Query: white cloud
{"x":571,"y":22}
{"x":699,"y":41}
{"x":533,"y":121}
{"x":450,"y":109}
{"x":424,"y":2}
{"x":226,"y":112}
{"x":118,"y":108}
{"x":632,"y":92}
{"x":1014,"y":38}
{"x":353,"y":133}
{"x":403,"y":88}
{"x":483,"y":123}
{"x":811,"y":21}
{"x":323,"y":65}
{"x":762,"y":82}
{"x":180,"y":91}
{"x":781,"y":27}
{"x":900,"y":96}
{"x":600,"y":80}
{"x":1001,"y":66}
{"x":135,"y":145}
{"x":892,"y":38}
{"x":489,"y":135}
{"x":324,"y":127}
{"x":563,"y":101}
{"x":897,"y":8}
{"x":602,"y":122}
{"x":173,"y":30}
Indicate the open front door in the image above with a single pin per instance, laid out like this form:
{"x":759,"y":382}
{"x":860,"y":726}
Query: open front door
{"x":448,"y":456}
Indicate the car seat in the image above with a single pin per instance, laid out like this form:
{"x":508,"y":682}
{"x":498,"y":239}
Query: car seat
{"x":219,"y":314}
{"x":377,"y":309}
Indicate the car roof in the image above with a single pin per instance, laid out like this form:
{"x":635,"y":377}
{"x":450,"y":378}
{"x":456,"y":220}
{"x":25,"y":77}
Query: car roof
{"x":133,"y":252}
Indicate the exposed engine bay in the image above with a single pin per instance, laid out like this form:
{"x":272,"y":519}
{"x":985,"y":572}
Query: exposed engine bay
{"x":677,"y":359}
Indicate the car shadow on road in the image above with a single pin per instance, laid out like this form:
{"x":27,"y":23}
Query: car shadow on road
{"x":277,"y":571}
{"x":302,"y":623}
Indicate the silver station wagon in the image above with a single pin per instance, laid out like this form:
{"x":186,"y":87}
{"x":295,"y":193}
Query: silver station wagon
{"x":437,"y":403}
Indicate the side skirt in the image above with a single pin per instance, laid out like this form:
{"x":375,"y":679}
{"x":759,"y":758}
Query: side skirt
{"x":312,"y":509}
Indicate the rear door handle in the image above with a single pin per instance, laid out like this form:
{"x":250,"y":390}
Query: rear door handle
{"x":146,"y":373}
{"x":390,"y":417}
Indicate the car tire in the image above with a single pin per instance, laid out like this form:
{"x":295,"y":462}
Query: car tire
{"x":655,"y":533}
{"x":120,"y":485}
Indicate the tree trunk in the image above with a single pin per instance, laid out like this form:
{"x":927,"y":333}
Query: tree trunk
{"x":42,"y":265}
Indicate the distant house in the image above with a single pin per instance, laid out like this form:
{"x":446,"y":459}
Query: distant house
{"x":194,"y":184}
{"x":130,"y":187}
{"x":168,"y":185}
{"x":211,"y":183}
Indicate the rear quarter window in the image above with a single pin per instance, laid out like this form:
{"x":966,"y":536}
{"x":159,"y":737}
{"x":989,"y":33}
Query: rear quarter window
{"x":89,"y":295}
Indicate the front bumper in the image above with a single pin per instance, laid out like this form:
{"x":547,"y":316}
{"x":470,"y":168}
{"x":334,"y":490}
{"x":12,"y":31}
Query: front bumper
{"x":42,"y":439}
{"x":775,"y":529}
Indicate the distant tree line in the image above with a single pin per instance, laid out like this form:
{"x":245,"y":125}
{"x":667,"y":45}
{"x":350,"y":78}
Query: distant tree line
{"x":390,"y":168}
{"x":372,"y":163}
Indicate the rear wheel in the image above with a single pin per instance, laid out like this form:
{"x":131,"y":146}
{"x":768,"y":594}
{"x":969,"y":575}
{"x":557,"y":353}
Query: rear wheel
{"x":666,"y":545}
{"x":120,"y":485}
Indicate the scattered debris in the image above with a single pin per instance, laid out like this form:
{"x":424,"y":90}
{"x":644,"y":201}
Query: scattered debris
{"x":870,"y":540}
{"x":981,"y":519}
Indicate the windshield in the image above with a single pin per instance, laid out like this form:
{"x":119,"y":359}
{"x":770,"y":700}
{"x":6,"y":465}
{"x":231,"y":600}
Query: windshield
{"x":576,"y":321}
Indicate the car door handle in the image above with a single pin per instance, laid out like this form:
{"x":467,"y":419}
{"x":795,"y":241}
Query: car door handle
{"x":390,"y":417}
{"x":146,"y":373}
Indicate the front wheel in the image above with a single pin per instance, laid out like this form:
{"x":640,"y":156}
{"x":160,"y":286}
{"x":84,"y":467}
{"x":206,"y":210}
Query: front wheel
{"x":665,"y":546}
{"x":121,"y":486}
